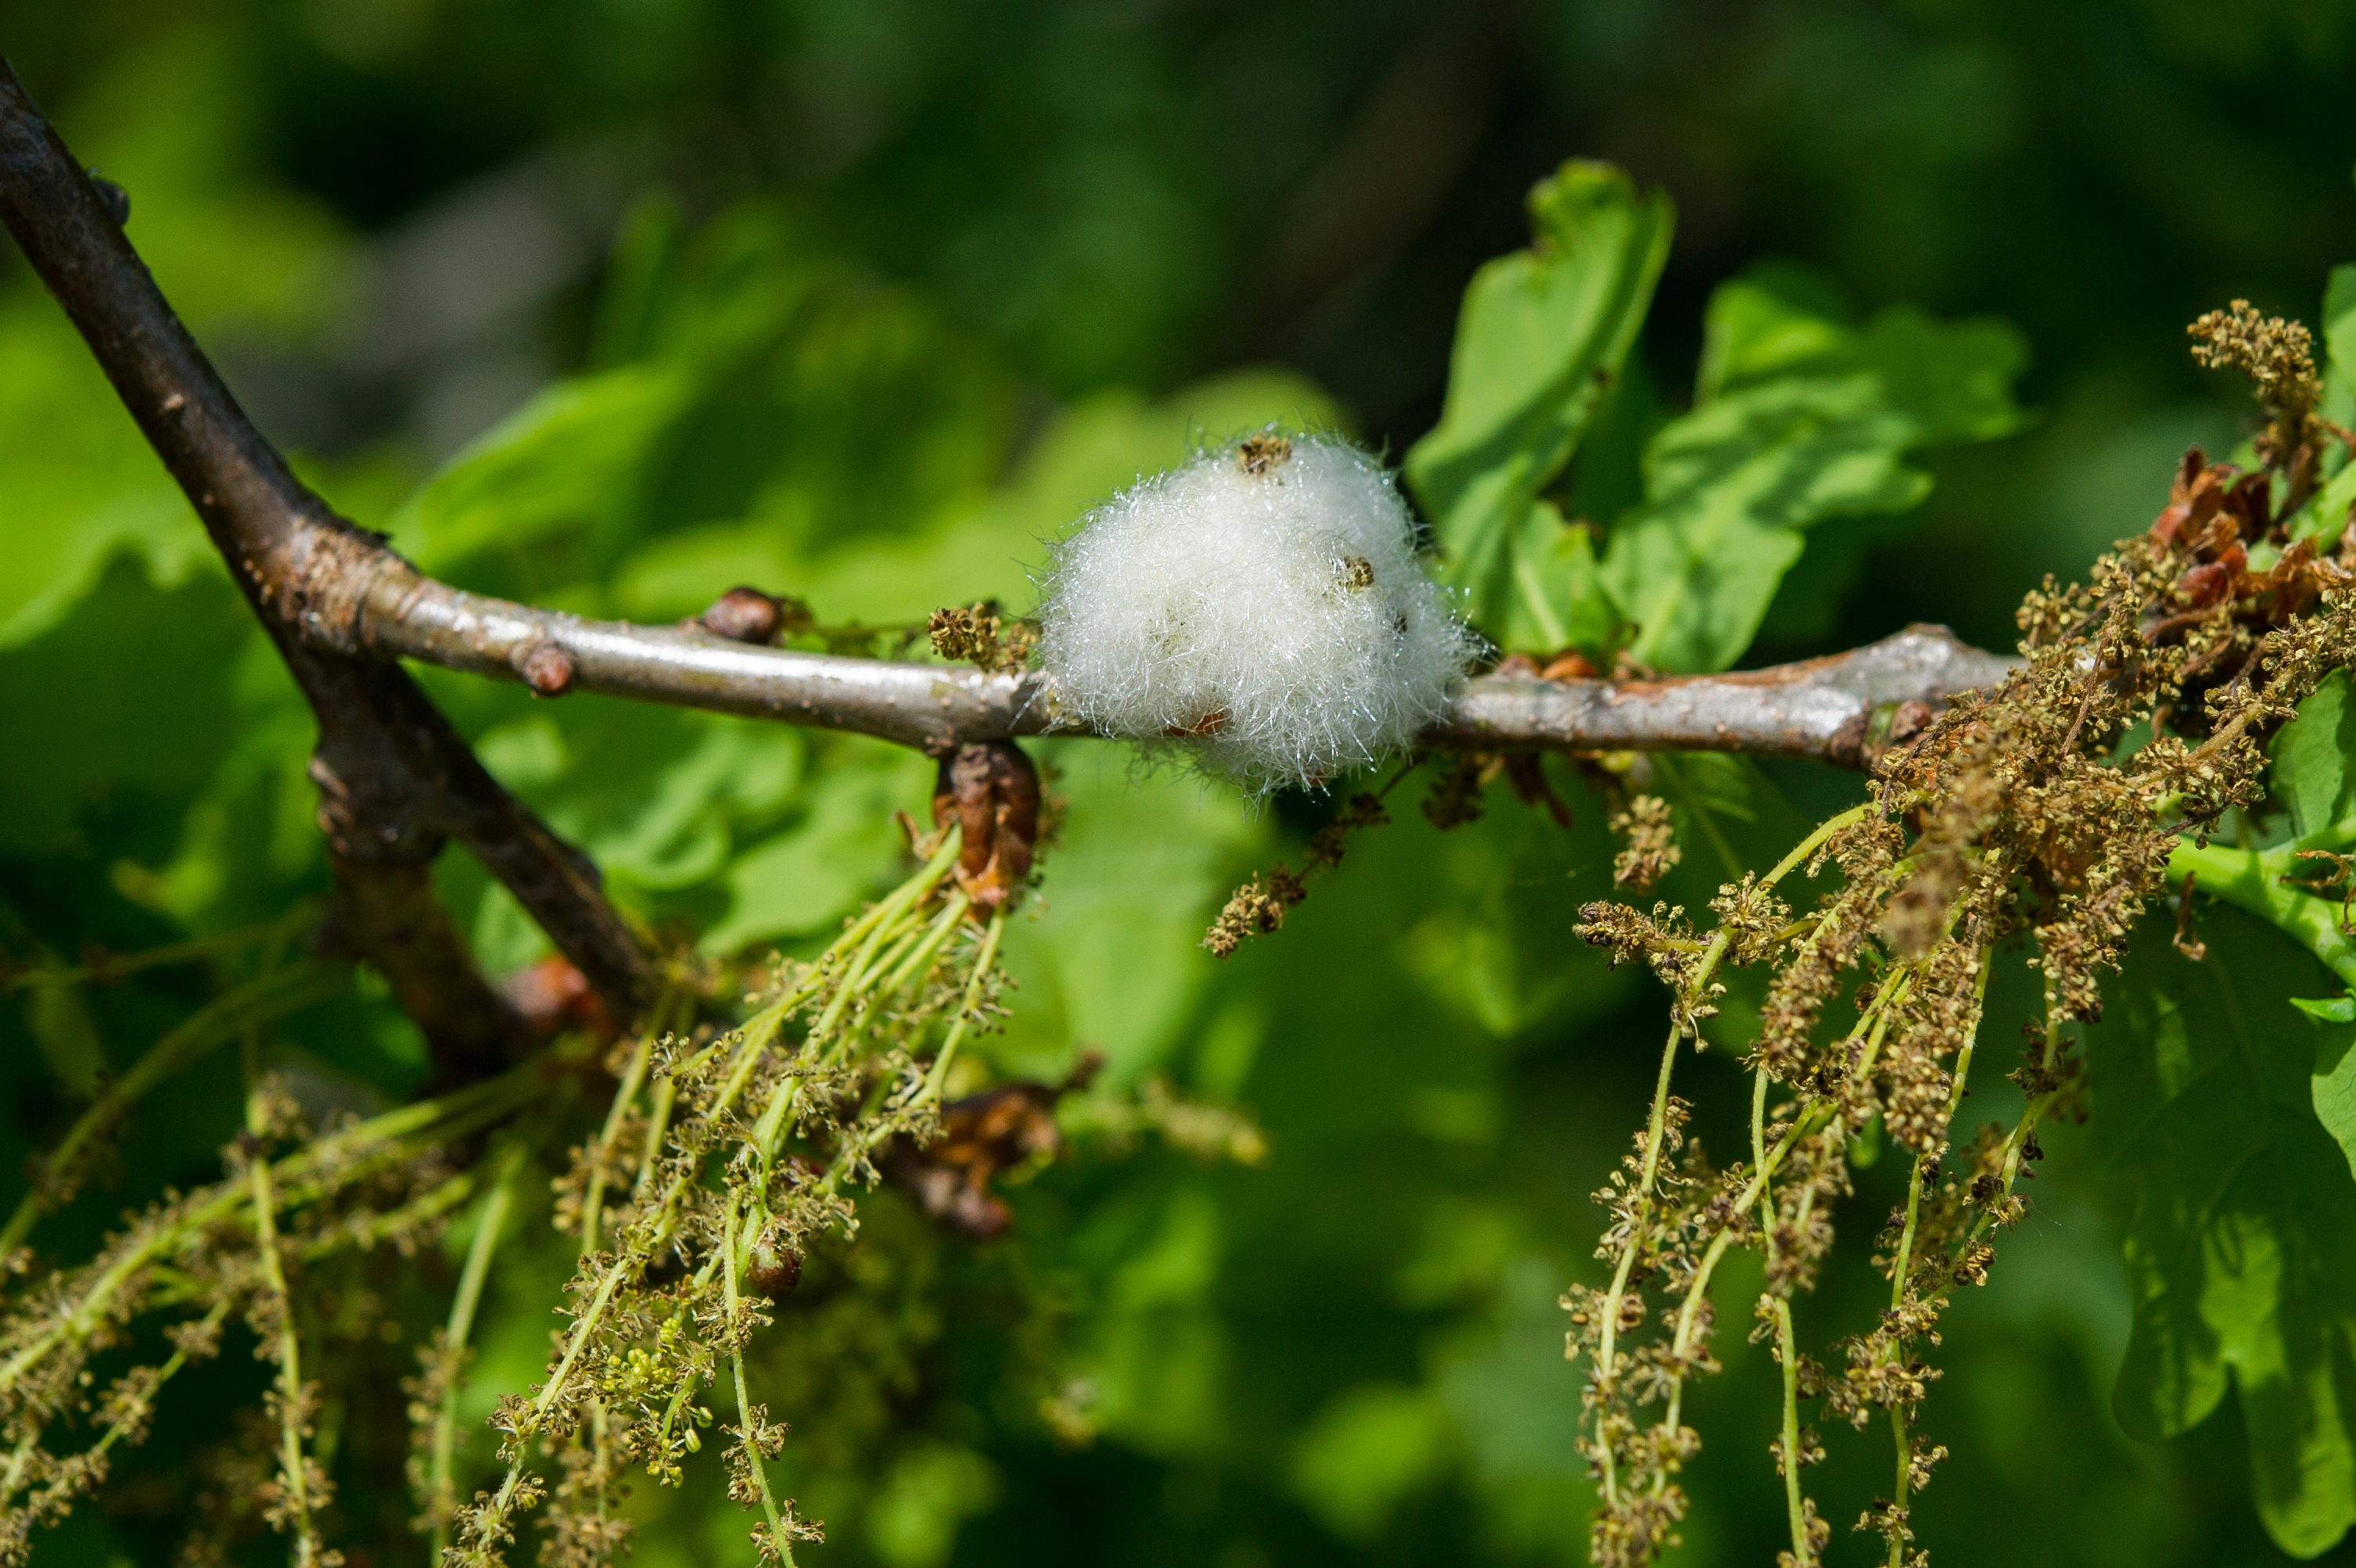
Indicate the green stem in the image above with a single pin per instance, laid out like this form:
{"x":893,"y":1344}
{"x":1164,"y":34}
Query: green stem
{"x":114,"y":966}
{"x":1786,"y":1350}
{"x":441,"y":1495}
{"x":344,"y":1157}
{"x":848,"y":966}
{"x":1768,"y":1162}
{"x":117,"y":1428}
{"x":921,"y":959}
{"x":1901,"y":1264}
{"x":293,"y":1468}
{"x":1901,"y":1489}
{"x":1794,"y":1499}
{"x":2253,"y":879}
{"x":585,"y":1327}
{"x":658,"y":1130}
{"x":981,"y":968}
{"x":1607,"y":1349}
{"x":625,"y":1099}
{"x":881,"y":921}
{"x":370,"y":1229}
{"x":1607,"y":1364}
{"x":753,"y":1460}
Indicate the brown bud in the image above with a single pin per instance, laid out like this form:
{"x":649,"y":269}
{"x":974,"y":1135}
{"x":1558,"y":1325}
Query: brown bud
{"x":1570,"y":665}
{"x":553,"y":995}
{"x":992,"y":791}
{"x":774,"y":1272}
{"x":117,"y":200}
{"x":547,"y":668}
{"x":746,"y":614}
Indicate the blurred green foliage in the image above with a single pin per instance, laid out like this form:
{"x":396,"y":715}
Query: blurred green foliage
{"x":860,"y":303}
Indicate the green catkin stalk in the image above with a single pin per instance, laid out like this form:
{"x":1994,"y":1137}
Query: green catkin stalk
{"x":982,"y":966}
{"x":117,"y":967}
{"x":919,"y":961}
{"x":625,"y":1099}
{"x":1901,"y":1264}
{"x":747,"y":1422}
{"x":1607,"y":1362}
{"x":294,"y":1465}
{"x":2027,"y":807}
{"x":850,"y":967}
{"x":1794,"y":1501}
{"x":326,"y":1165}
{"x":441,"y":1498}
{"x":1787,"y":1355}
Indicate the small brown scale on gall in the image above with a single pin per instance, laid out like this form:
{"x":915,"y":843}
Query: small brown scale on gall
{"x":1259,"y":454}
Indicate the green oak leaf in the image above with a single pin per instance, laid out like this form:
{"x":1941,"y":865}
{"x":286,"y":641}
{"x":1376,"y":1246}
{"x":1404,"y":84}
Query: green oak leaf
{"x":2340,"y":345}
{"x":2313,"y":783}
{"x":574,"y":458}
{"x":2311,"y":779}
{"x":1558,"y":599}
{"x":2327,"y":514}
{"x":1539,"y":343}
{"x":2241,"y":1252}
{"x":1799,"y":417}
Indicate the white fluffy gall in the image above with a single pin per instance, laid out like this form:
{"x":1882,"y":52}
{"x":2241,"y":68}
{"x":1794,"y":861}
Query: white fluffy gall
{"x":1261,"y":606}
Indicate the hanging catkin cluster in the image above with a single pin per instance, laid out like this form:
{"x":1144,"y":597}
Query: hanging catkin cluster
{"x":1261,"y":606}
{"x":2046,"y":806}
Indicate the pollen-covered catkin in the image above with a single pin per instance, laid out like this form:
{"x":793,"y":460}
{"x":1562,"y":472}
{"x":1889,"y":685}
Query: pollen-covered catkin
{"x":1262,"y":607}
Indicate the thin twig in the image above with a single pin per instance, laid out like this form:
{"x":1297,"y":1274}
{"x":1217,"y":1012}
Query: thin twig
{"x":337,"y":590}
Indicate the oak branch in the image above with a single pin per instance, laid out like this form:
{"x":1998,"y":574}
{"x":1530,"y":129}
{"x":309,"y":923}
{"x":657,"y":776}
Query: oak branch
{"x":1818,"y":708}
{"x":396,"y":780}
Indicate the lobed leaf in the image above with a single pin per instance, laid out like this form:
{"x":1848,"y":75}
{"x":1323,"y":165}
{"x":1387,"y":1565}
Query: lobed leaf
{"x":1799,"y":419}
{"x":576,"y":456}
{"x":1540,"y":344}
{"x":2311,"y":778}
{"x":2240,"y":1254}
{"x":2327,"y":513}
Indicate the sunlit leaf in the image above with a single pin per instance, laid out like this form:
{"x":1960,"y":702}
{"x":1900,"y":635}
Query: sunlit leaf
{"x":1538,"y":346}
{"x":2312,"y":778}
{"x":1800,"y":418}
{"x":2242,"y":1248}
{"x":575,"y":457}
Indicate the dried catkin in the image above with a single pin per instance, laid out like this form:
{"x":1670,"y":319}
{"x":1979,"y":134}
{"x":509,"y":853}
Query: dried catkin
{"x":1260,"y":606}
